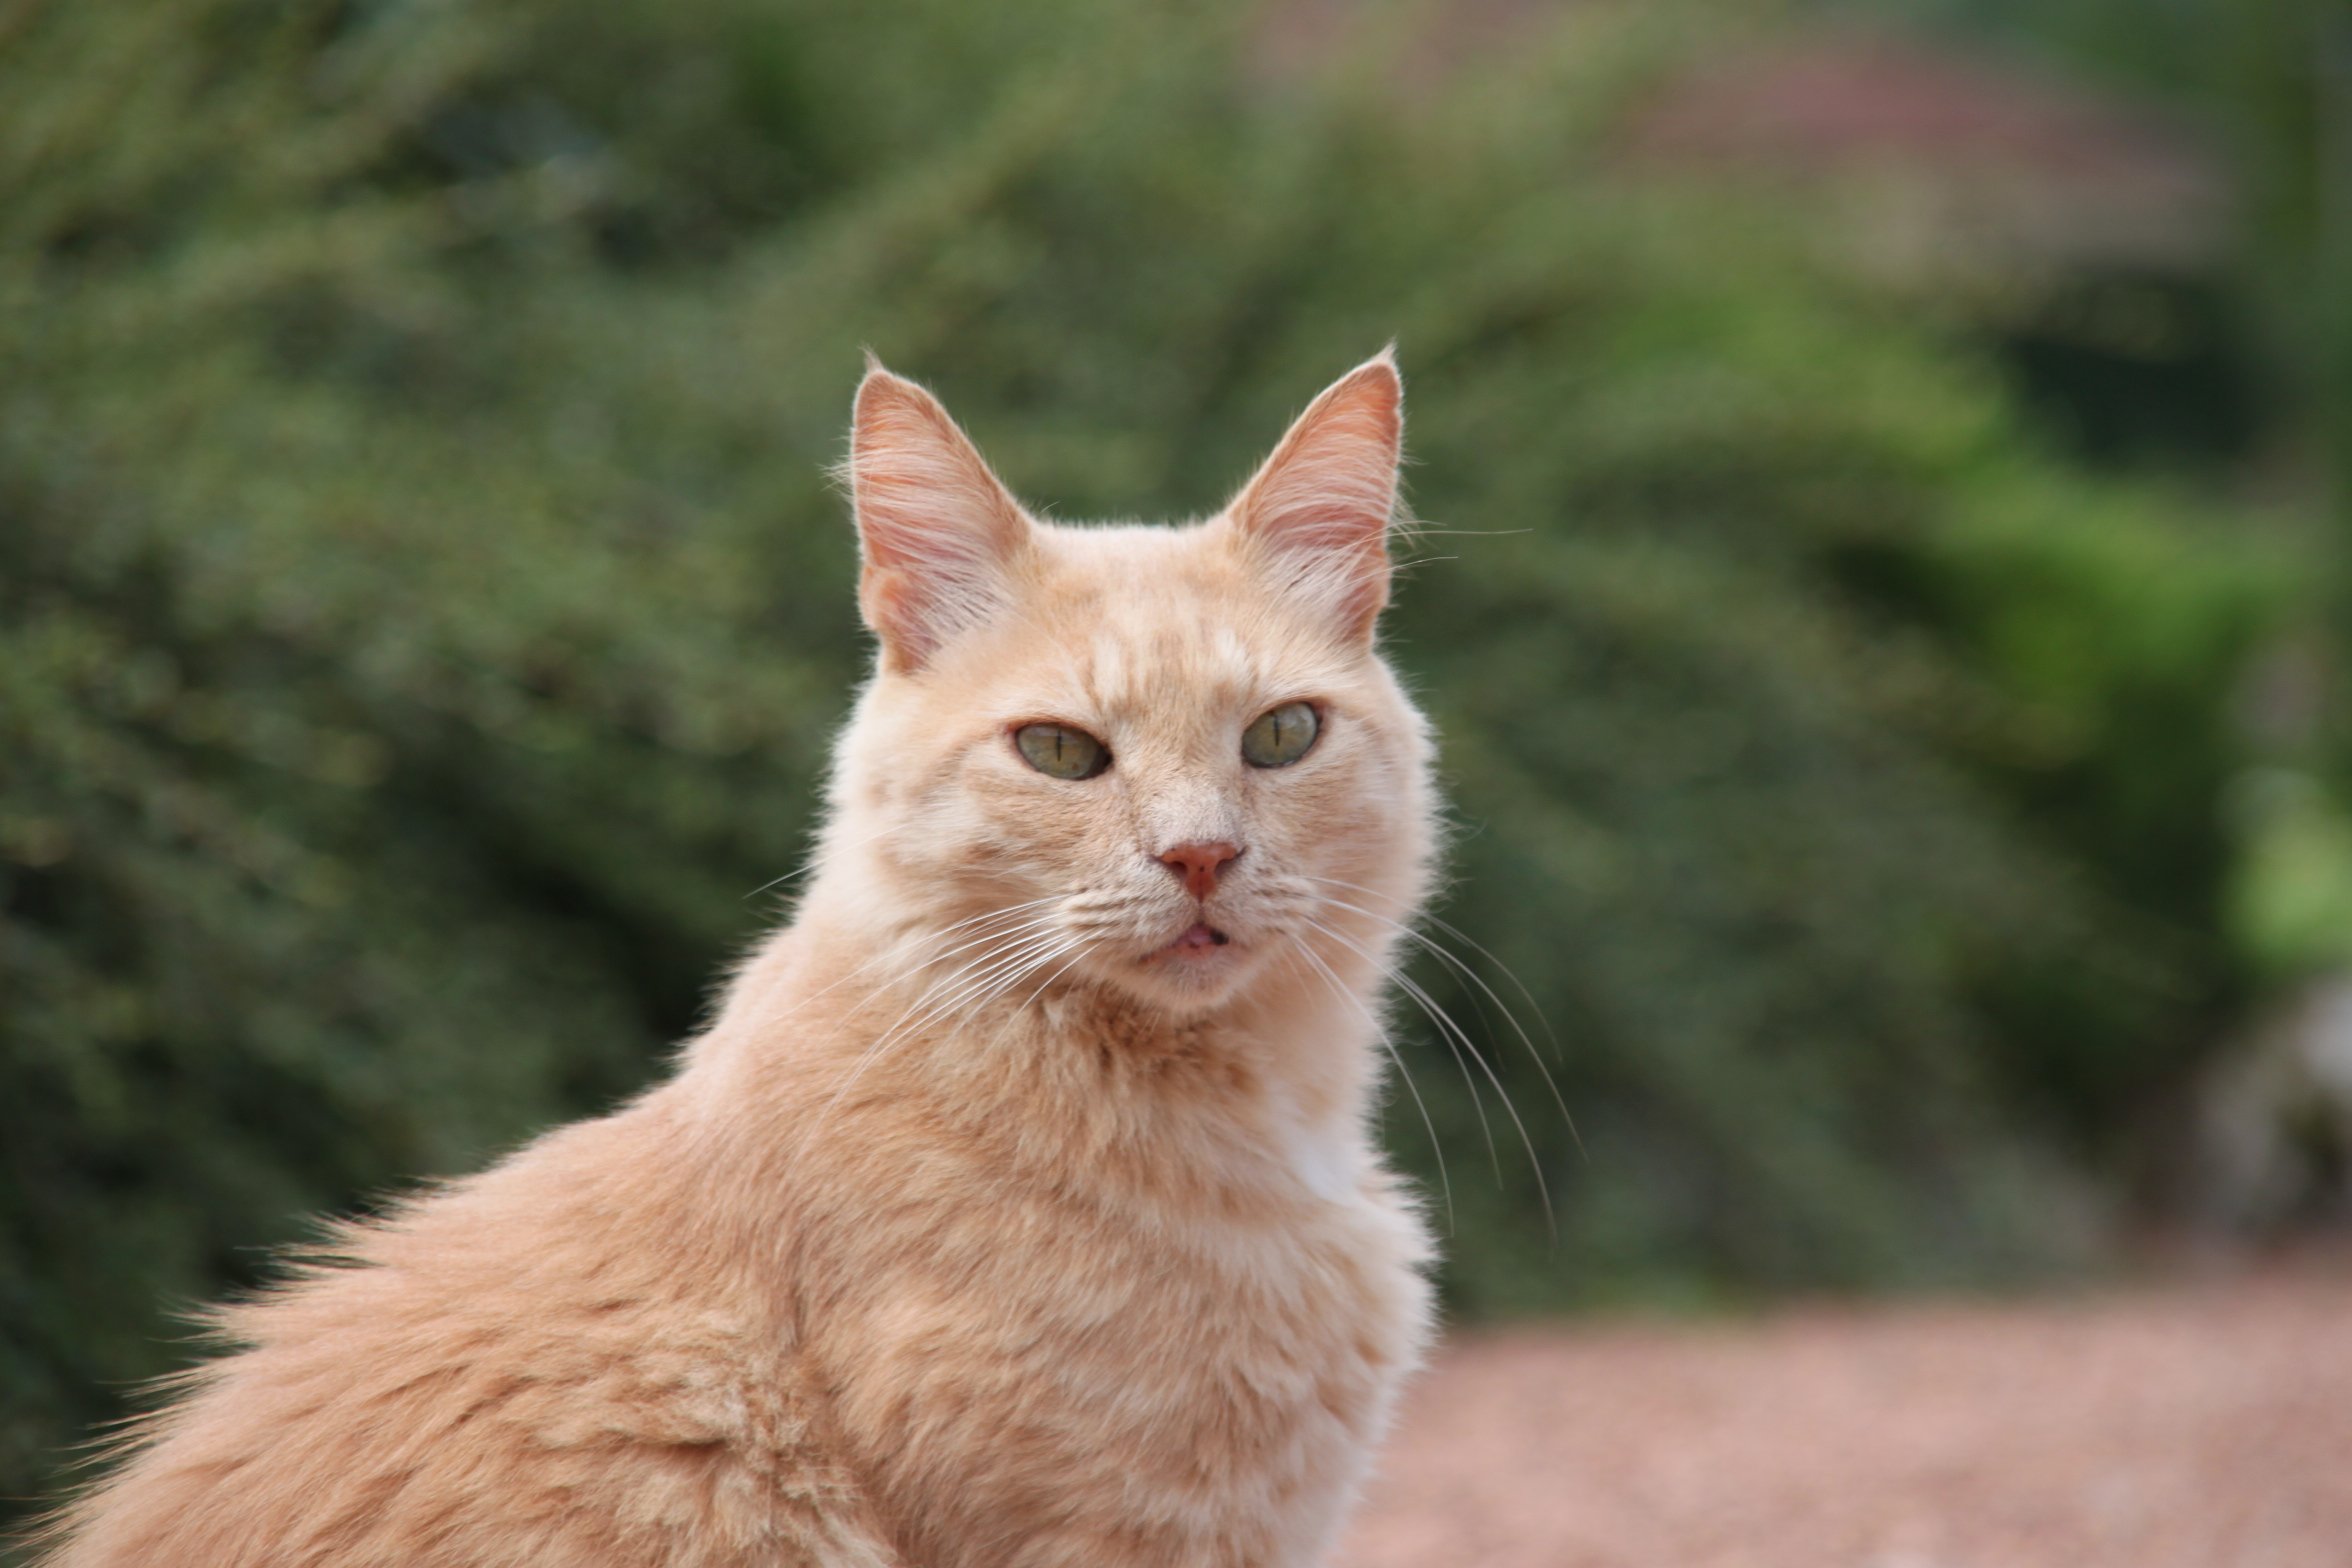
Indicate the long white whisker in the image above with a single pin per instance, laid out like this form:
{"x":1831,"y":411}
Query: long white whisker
{"x":1079,"y":948}
{"x":1444,"y":1021}
{"x":816,"y":854}
{"x":904,"y":1029}
{"x":1494,"y":1155}
{"x":896,"y":949}
{"x":1467,"y":940}
{"x":1019,"y":931}
{"x":1455,"y":963}
{"x":1035,"y":950}
{"x":969,"y":982}
{"x":1445,"y":1183}
{"x":971,"y":978}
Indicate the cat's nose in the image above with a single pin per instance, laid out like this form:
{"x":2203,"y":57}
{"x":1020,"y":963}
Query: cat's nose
{"x":1197,"y":865}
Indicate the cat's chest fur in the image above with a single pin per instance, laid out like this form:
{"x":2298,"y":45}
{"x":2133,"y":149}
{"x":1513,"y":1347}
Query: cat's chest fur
{"x":1148,"y":1346}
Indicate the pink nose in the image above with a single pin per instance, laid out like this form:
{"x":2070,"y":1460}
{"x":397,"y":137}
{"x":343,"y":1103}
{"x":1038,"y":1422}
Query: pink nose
{"x":1198,"y":864}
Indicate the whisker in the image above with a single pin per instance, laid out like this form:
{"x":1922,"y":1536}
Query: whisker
{"x":907,"y":1028}
{"x":1494,"y":1155}
{"x":815,"y":854}
{"x":1445,"y":1184}
{"x":1079,"y":950}
{"x":1454,"y":962}
{"x":1420,"y":532}
{"x":893,"y":951}
{"x":988,"y":970}
{"x":1439,"y":1016}
{"x":1467,"y":940}
{"x":1026,"y":938}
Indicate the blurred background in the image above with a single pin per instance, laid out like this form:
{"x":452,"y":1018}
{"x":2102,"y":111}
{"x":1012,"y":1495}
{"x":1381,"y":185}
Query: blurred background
{"x":1884,"y":597}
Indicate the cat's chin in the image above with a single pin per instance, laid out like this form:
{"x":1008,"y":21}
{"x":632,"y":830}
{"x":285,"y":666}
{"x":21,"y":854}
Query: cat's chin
{"x":1203,"y":968}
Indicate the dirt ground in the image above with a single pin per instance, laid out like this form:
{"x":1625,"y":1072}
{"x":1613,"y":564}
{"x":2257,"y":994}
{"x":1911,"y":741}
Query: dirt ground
{"x":2205,"y":1424}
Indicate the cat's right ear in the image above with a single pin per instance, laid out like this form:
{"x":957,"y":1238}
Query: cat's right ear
{"x":938,"y":534}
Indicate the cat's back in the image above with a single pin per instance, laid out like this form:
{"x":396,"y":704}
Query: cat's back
{"x":552,"y":1363}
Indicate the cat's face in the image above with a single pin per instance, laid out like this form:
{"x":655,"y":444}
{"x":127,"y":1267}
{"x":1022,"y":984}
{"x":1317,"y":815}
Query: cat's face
{"x":1163,"y":759}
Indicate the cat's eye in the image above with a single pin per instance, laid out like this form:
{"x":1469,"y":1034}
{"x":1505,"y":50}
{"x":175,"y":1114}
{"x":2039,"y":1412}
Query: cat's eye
{"x":1281,"y":736}
{"x":1058,"y":751}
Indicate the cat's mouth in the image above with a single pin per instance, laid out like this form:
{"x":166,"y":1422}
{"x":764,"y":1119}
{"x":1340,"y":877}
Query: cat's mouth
{"x":1198,"y":941}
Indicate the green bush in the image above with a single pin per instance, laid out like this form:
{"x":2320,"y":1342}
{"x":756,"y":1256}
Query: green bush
{"x":422,"y":612}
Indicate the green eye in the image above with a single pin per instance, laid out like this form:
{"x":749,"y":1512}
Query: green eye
{"x":1060,"y":752}
{"x":1281,"y":737}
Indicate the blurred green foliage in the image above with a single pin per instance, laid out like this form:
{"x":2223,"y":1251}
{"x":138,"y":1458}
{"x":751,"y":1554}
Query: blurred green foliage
{"x":422,"y":613}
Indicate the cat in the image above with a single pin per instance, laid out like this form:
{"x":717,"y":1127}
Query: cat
{"x":1018,"y":1205}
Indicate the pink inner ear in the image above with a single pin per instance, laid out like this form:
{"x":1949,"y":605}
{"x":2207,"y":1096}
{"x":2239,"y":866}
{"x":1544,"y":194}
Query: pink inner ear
{"x":1324,"y":524}
{"x":1322,"y":504}
{"x":939,"y":532}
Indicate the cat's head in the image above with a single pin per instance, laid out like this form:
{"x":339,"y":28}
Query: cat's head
{"x":1165,"y":759}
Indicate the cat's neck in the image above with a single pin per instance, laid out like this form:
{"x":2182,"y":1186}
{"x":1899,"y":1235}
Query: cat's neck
{"x":833,"y":1015}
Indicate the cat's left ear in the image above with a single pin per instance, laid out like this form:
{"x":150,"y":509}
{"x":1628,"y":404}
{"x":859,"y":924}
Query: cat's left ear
{"x":1317,"y":514}
{"x":939,"y":535}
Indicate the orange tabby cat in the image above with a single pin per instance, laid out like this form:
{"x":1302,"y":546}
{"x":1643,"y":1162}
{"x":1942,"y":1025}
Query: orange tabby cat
{"x":1019,"y":1206}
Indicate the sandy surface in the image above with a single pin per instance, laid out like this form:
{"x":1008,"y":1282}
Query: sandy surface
{"x":2206,"y":1424}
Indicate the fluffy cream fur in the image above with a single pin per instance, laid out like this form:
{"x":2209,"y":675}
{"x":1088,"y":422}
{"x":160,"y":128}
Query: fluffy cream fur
{"x":992,"y":1221}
